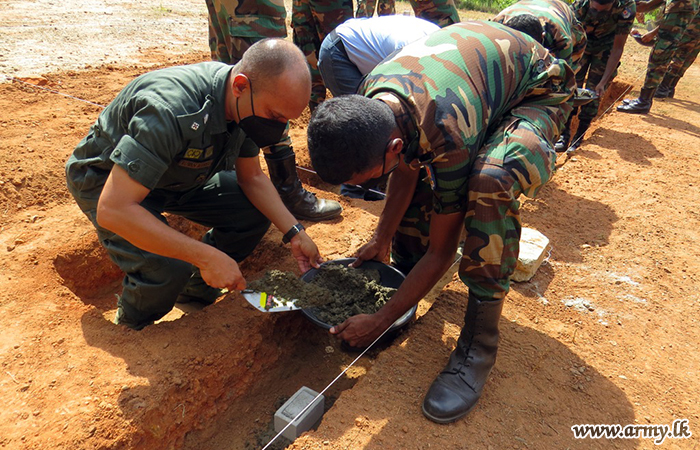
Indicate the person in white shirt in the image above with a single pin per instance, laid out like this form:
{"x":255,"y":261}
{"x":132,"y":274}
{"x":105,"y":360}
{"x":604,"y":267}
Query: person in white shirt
{"x":357,"y":46}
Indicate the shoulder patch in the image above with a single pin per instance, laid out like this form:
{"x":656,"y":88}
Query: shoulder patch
{"x":626,"y":13}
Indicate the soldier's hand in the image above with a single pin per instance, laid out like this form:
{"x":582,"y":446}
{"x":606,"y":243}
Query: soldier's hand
{"x":221,"y":271}
{"x":600,"y":90}
{"x":305,"y":252}
{"x":359,"y":331}
{"x":374,"y":249}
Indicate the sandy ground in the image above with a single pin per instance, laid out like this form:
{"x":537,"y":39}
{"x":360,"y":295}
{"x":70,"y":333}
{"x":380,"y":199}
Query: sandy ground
{"x":606,"y":332}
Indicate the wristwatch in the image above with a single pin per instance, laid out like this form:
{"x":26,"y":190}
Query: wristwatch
{"x":292,"y":232}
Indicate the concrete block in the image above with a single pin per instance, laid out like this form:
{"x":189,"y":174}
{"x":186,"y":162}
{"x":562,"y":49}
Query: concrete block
{"x":293,"y":407}
{"x":534,"y":248}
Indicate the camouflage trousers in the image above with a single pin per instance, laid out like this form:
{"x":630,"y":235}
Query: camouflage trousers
{"x":686,"y":53}
{"x":592,"y":67}
{"x":365,"y":8}
{"x":236,"y":25}
{"x":312,"y":20}
{"x":440,"y":12}
{"x":671,"y":31}
{"x":516,"y":159}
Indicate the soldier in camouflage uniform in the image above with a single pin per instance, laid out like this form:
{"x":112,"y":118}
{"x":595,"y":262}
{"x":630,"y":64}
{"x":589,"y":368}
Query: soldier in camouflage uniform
{"x":685,"y":56}
{"x":465,"y":137}
{"x":678,"y":14}
{"x":563,"y":35}
{"x":441,"y":12}
{"x":312,"y":20}
{"x":235,"y":25}
{"x":607,"y":24}
{"x":365,"y":8}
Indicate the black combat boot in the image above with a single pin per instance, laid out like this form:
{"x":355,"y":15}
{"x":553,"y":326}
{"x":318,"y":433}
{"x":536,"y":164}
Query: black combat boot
{"x":301,"y":203}
{"x":563,"y":143}
{"x":456,"y":390}
{"x":667,"y":88}
{"x":578,"y":136}
{"x":640,"y":105}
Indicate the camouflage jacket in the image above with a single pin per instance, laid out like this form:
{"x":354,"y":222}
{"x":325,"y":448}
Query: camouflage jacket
{"x":675,"y":6}
{"x":449,"y":90}
{"x":564,"y":36}
{"x":601,"y":28}
{"x":254,"y":18}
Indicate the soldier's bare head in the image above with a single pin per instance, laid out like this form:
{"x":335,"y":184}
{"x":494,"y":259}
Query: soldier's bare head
{"x":601,"y":5}
{"x":348,"y":135}
{"x":528,"y":24}
{"x":276,"y":74}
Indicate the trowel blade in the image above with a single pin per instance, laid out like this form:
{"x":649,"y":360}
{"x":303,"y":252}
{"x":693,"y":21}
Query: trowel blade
{"x":268,"y":303}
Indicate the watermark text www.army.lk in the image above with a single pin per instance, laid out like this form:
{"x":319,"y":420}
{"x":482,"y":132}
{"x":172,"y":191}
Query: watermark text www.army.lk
{"x":679,"y":429}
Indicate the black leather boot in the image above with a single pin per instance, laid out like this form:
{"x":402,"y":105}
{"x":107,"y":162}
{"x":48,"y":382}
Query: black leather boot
{"x":641,"y":105}
{"x":563,"y":143}
{"x":667,"y":88}
{"x":301,"y":203}
{"x":577,"y":140}
{"x":456,"y":390}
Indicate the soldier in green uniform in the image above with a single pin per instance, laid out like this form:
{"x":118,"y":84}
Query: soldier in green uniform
{"x":678,"y":14}
{"x":365,"y":8}
{"x":683,"y":58}
{"x":441,"y":12}
{"x":169,"y":143}
{"x":562,"y":34}
{"x":465,"y":119}
{"x":235,"y":25}
{"x":607,"y":24}
{"x":312,"y":21}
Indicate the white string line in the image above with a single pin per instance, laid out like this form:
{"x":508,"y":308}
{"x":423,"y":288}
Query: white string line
{"x":325,"y":389}
{"x":11,"y":78}
{"x":458,"y":257}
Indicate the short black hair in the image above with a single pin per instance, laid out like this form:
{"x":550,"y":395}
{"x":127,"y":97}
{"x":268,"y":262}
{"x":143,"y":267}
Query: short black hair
{"x":528,"y":24}
{"x":603,"y":2}
{"x":348,"y":135}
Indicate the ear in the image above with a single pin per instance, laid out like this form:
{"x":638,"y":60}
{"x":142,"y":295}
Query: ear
{"x":239,"y":84}
{"x":395,"y":146}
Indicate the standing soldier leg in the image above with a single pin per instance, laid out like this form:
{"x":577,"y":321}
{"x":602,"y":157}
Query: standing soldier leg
{"x":588,"y":112}
{"x":363,"y":9}
{"x":671,"y":31}
{"x":219,"y":33}
{"x":685,"y":56}
{"x":516,"y":160}
{"x":584,"y":65}
{"x":441,"y":12}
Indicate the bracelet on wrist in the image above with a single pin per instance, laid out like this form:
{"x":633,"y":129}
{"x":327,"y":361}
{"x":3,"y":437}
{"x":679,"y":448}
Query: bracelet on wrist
{"x":296,"y":229}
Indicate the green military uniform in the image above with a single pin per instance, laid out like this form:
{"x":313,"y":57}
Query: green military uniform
{"x":480,"y":125}
{"x":685,"y":55}
{"x":677,"y":16}
{"x":235,"y":25}
{"x":312,"y":21}
{"x":564,"y":36}
{"x":167,"y":129}
{"x":601,"y":29}
{"x":365,"y":8}
{"x":441,"y":12}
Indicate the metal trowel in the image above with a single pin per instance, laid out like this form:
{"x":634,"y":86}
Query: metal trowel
{"x":268,"y":303}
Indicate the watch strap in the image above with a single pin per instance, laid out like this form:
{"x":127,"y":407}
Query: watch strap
{"x":291,"y":233}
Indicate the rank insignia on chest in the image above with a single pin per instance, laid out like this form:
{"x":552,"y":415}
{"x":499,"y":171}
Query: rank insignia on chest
{"x":194,"y":153}
{"x":195,"y":126}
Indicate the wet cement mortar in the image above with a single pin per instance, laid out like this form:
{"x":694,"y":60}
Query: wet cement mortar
{"x":335,"y":293}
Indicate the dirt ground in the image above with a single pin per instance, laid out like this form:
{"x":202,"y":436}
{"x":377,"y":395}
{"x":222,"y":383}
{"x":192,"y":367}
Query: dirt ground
{"x":606,"y":332}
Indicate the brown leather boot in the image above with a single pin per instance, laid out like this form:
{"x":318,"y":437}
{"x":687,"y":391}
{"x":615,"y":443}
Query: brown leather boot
{"x":456,"y":390}
{"x":301,"y":203}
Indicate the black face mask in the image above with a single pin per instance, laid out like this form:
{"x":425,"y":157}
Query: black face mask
{"x":263,"y":131}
